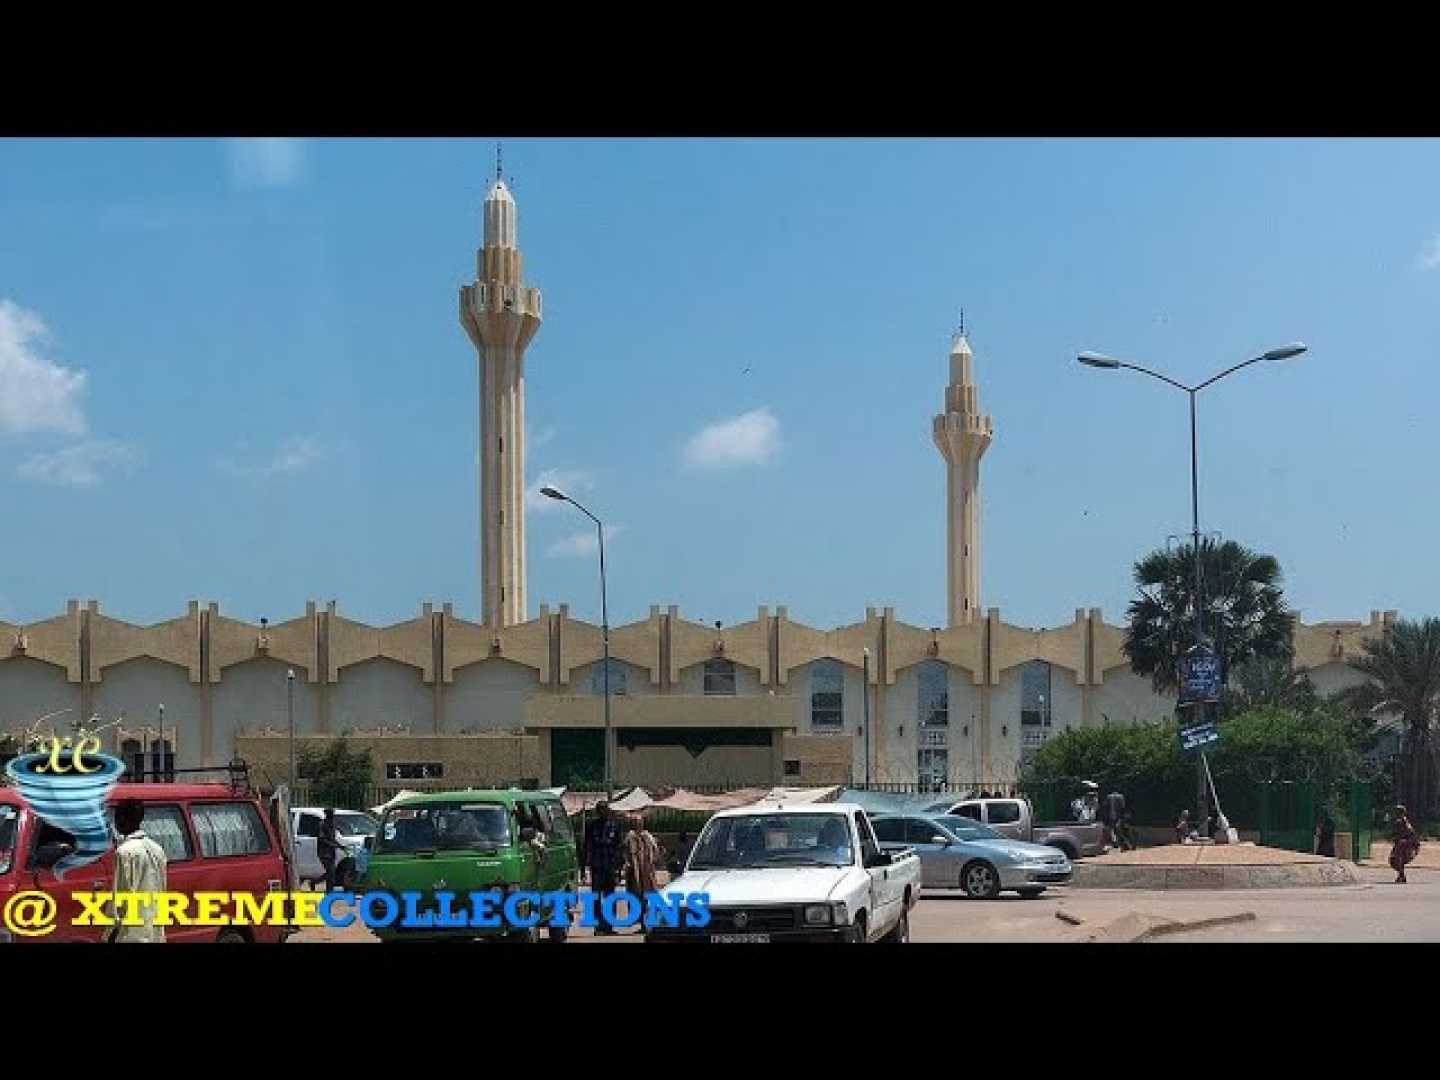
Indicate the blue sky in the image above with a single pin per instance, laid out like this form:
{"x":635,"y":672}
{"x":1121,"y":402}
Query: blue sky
{"x":233,"y":371}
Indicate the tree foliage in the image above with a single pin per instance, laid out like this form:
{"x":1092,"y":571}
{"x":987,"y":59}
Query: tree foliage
{"x":1242,"y":610}
{"x":1403,"y":666}
{"x":338,"y":775}
{"x":1144,"y":761}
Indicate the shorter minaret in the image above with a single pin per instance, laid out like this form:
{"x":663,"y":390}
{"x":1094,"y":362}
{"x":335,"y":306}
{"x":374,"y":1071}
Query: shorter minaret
{"x":962,"y":435}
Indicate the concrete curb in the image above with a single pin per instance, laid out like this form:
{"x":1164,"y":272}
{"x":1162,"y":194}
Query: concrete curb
{"x":1292,"y":876}
{"x":1197,"y":924}
{"x":1137,"y":927}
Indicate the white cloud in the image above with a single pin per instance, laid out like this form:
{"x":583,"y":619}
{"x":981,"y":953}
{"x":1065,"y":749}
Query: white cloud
{"x":1429,"y":258}
{"x":751,"y":438}
{"x":294,"y":456}
{"x":80,"y":465}
{"x":36,"y":394}
{"x":582,"y":544}
{"x":570,"y":481}
{"x":266,"y":163}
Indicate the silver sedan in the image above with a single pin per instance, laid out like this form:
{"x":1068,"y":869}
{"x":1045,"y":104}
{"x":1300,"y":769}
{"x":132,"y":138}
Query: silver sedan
{"x":958,"y":853}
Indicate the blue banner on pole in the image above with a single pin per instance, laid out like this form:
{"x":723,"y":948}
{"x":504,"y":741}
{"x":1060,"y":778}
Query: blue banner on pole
{"x":1200,"y":677}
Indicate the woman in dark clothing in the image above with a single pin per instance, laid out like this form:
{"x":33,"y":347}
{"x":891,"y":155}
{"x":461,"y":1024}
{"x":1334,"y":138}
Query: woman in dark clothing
{"x":1405,"y":843}
{"x":1325,"y":834}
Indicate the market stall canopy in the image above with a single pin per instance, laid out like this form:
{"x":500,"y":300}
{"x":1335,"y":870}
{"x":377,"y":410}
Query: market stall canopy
{"x":637,"y":798}
{"x":799,"y":796}
{"x":386,"y":805}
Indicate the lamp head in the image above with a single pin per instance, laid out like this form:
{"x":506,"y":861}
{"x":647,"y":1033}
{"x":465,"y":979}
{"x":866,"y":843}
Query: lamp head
{"x":1100,"y":360}
{"x":553,"y":493}
{"x":1285,"y":352}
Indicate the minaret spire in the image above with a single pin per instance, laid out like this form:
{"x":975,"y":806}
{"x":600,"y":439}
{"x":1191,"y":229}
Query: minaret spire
{"x":962,"y":435}
{"x":501,"y":315}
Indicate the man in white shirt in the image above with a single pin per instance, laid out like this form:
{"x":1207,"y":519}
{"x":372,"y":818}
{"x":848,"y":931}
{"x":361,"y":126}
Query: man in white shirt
{"x":139,"y":867}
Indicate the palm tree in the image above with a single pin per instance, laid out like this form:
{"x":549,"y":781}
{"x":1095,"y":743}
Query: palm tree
{"x":1243,"y":612}
{"x":1403,"y":666}
{"x":1271,"y":680}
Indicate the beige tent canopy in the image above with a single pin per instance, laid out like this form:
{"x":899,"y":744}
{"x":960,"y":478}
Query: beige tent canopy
{"x":800,"y":796}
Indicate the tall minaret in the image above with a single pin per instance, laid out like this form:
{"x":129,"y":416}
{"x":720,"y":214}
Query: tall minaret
{"x":501,"y":315}
{"x":962,"y":435}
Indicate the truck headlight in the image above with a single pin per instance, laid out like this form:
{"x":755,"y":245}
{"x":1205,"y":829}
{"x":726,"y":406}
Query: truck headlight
{"x":839,"y":913}
{"x":817,"y":915}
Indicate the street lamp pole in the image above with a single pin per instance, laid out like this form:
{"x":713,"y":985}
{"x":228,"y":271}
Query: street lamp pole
{"x":1100,"y":360}
{"x":290,"y":710}
{"x":865,"y":697}
{"x":555,"y":493}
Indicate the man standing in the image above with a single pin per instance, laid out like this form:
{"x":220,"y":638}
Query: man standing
{"x":602,"y":857}
{"x":139,"y":867}
{"x":327,"y":846}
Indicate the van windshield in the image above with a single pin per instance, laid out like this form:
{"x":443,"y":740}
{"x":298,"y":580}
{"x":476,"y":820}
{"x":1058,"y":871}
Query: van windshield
{"x":9,"y":826}
{"x":354,"y":825}
{"x":445,"y":827}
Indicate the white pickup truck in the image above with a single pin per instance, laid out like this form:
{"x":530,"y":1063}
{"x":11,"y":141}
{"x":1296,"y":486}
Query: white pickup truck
{"x":811,"y":872}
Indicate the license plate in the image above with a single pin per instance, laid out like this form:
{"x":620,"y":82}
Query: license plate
{"x":739,"y":939}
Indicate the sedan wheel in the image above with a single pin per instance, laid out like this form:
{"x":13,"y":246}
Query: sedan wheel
{"x":980,"y":881}
{"x":901,"y":934}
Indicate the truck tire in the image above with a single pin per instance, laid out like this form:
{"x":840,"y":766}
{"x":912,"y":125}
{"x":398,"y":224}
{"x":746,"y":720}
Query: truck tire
{"x":858,"y":935}
{"x":901,"y":934}
{"x":980,"y":880}
{"x":231,"y":937}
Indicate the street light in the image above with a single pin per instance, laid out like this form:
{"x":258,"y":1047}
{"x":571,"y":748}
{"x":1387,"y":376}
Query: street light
{"x":290,"y":709}
{"x":865,"y":697}
{"x":1100,"y":360}
{"x":556,"y":493}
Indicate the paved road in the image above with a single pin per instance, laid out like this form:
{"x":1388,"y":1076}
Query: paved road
{"x":1376,"y":911}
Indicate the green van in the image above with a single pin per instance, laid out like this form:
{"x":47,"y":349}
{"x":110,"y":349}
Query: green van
{"x":472,"y":841}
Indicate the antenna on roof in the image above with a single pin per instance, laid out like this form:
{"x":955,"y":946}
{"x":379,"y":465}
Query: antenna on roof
{"x":498,"y":147}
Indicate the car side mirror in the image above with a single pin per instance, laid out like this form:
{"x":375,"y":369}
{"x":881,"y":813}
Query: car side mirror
{"x":47,"y":855}
{"x":527,"y":834}
{"x":943,"y":841}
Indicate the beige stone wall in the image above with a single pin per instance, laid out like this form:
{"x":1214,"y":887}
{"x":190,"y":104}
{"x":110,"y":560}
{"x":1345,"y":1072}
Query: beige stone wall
{"x":824,"y":759}
{"x":468,"y":760}
{"x":221,"y":677}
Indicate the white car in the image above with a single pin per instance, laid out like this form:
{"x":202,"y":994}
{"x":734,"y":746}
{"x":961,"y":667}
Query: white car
{"x":351,"y":828}
{"x":809,"y":872}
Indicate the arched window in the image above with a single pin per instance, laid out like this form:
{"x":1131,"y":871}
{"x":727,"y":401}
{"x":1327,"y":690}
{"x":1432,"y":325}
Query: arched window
{"x":132,"y":752}
{"x":932,"y":698}
{"x":617,"y":678}
{"x":827,"y":694}
{"x":720,"y":677}
{"x":1036,"y":704}
{"x":162,"y":760}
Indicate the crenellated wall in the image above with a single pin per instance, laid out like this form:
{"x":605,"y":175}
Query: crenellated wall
{"x":220,"y":678}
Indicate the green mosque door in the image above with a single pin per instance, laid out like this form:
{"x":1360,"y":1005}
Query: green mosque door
{"x":577,"y":758}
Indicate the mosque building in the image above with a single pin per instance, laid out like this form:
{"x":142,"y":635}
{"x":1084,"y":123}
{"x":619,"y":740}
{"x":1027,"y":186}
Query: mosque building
{"x":445,"y":702}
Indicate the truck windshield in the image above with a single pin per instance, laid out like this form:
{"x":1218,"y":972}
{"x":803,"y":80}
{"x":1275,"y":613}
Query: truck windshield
{"x":445,"y":827}
{"x":966,"y":829}
{"x":9,"y":826}
{"x":754,"y":841}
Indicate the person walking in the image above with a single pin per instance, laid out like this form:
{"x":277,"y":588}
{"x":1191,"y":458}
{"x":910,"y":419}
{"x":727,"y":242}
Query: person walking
{"x":1183,"y":828}
{"x":327,"y":847}
{"x":1325,"y":834}
{"x":642,"y":853}
{"x":140,"y":866}
{"x":602,"y":856}
{"x":1405,"y":843}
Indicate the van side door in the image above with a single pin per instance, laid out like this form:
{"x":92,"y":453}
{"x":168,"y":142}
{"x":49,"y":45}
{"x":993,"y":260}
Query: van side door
{"x":94,"y":877}
{"x":883,"y":896}
{"x":307,"y":839}
{"x":1007,"y":817}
